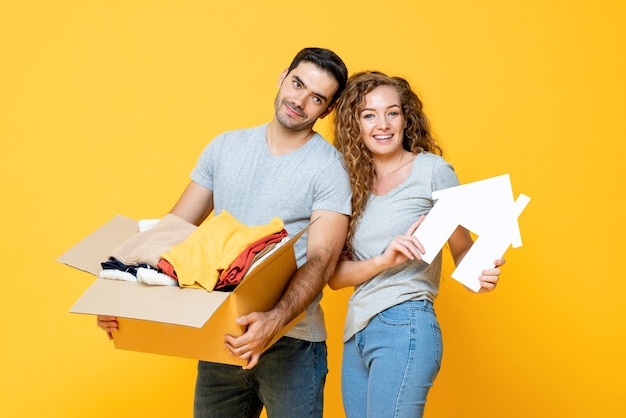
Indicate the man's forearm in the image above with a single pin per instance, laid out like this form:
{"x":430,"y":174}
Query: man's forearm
{"x":302,"y":290}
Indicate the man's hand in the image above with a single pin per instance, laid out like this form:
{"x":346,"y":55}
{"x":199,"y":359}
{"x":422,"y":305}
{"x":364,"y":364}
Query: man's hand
{"x":261,"y":327}
{"x":109,"y":324}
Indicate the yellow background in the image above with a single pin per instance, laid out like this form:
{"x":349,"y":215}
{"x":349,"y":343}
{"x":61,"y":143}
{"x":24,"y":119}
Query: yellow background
{"x":105,"y":106}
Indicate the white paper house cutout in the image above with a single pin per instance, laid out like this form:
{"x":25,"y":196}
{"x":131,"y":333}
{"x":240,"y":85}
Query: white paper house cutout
{"x":484,"y":207}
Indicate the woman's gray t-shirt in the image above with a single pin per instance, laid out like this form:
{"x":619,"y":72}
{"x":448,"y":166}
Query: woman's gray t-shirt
{"x":384,"y":218}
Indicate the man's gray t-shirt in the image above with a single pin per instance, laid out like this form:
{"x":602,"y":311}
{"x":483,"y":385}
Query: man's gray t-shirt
{"x":384,"y":218}
{"x":254,"y":186}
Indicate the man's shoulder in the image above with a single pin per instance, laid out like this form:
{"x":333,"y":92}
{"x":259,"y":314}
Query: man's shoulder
{"x":324,"y":146}
{"x":243,"y":132}
{"x":237,"y":139}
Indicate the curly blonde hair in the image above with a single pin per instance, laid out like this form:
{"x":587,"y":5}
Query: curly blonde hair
{"x":347,"y":136}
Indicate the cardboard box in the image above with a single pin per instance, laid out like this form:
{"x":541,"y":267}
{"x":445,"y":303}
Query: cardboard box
{"x":170,"y":320}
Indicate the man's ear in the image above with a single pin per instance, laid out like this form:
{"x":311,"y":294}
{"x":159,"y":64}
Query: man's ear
{"x":282,"y":77}
{"x":327,"y":111}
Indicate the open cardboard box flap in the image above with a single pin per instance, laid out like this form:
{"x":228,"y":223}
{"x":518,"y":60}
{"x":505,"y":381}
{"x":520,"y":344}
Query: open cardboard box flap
{"x":171,"y":320}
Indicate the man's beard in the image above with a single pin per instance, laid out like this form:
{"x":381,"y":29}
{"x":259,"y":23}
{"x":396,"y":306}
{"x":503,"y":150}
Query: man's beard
{"x":286,"y":121}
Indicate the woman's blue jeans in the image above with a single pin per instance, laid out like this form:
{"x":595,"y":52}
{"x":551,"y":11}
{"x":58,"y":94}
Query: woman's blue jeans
{"x":389,"y":367}
{"x":288,"y":381}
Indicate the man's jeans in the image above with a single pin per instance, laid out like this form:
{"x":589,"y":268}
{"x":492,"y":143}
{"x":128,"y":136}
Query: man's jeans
{"x":288,"y":381}
{"x":389,"y":367}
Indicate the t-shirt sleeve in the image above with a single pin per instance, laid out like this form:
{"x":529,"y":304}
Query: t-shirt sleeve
{"x":204,"y":171}
{"x":444,"y":175}
{"x":333,"y":190}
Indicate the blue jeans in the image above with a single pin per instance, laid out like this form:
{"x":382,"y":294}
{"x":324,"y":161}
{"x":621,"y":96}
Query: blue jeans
{"x":288,"y":381}
{"x":389,"y":367}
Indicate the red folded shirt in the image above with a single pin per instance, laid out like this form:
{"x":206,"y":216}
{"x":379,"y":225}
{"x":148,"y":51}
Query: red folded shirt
{"x":241,"y":264}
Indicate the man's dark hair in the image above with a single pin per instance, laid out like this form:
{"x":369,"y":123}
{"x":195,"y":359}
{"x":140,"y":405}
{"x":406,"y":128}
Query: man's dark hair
{"x":326,"y":60}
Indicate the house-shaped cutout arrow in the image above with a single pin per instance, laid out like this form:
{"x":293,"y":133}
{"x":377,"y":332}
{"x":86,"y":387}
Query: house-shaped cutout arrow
{"x":484,"y":207}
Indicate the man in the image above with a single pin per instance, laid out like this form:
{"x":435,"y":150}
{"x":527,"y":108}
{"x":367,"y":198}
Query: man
{"x":282,"y":168}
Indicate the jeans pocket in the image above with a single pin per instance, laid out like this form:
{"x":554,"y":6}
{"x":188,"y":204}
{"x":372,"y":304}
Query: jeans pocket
{"x":396,"y":315}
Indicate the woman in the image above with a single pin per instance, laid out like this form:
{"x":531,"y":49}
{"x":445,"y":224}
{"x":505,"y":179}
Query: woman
{"x":392,"y":340}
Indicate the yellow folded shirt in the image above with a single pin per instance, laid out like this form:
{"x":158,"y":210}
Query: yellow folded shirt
{"x":212,"y":247}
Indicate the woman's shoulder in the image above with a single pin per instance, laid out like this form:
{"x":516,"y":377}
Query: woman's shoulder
{"x":433,"y":166}
{"x":429,"y":161}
